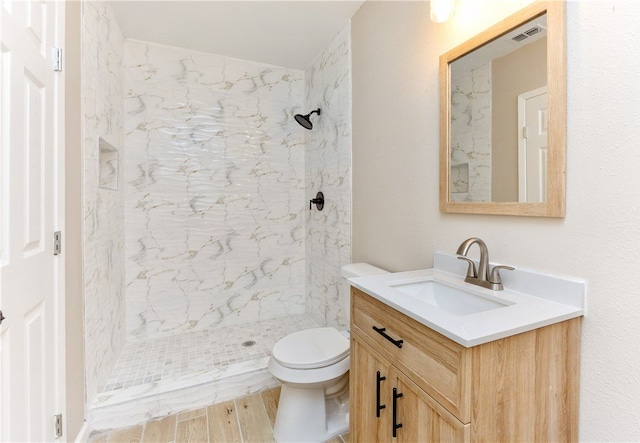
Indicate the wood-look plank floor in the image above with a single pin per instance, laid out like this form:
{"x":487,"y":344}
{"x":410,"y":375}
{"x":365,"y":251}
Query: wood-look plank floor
{"x":245,"y":419}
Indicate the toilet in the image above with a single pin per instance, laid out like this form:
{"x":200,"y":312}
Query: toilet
{"x":313,"y":367}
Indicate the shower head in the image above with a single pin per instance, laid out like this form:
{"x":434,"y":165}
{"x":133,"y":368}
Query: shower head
{"x":305,"y":120}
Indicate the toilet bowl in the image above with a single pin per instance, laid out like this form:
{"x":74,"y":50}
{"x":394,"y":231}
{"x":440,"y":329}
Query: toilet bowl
{"x":313,"y":367}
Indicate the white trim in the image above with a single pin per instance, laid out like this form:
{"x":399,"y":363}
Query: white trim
{"x":59,"y":225}
{"x":83,"y":435}
{"x":522,"y":141}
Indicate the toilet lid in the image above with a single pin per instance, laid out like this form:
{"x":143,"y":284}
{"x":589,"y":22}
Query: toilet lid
{"x":311,"y":348}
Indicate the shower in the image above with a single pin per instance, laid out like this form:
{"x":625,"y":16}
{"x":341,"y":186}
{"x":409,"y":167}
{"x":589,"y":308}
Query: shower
{"x":305,"y":120}
{"x":205,"y":244}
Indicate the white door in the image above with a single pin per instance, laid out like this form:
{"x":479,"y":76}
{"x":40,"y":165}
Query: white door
{"x":532,"y":145}
{"x":29,"y":151}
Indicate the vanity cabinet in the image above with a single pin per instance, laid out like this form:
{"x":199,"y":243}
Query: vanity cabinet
{"x":519,"y":388}
{"x":415,"y":415}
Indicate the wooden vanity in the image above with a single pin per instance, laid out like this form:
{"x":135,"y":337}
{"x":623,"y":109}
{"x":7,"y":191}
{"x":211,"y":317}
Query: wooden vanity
{"x":429,"y":388}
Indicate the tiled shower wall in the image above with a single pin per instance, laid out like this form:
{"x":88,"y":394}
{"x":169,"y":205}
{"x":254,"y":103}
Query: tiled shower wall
{"x":328,"y":169}
{"x":102,"y":77}
{"x":471,"y":126}
{"x":215,"y":191}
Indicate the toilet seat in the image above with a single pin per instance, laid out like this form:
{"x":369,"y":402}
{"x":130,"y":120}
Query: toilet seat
{"x":309,"y":377}
{"x":311,"y":349}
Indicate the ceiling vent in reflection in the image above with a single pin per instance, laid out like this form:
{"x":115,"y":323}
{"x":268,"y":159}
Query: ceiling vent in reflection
{"x":528,"y":33}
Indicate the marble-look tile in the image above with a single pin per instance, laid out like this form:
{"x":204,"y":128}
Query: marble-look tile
{"x":471,"y":134}
{"x":103,"y":259}
{"x":328,"y":169}
{"x":109,"y":166}
{"x":215,"y":194}
{"x":214,"y":178}
{"x":164,"y":360}
{"x":169,"y":374}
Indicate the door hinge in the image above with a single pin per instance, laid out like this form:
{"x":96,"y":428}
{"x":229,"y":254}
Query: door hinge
{"x":57,"y":59}
{"x":524,"y":132}
{"x":58,"y":425}
{"x":57,"y":243}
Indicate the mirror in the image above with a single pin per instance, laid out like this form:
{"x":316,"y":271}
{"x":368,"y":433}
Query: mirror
{"x":503,"y":117}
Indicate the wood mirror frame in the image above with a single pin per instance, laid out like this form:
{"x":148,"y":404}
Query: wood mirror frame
{"x":554,"y":206}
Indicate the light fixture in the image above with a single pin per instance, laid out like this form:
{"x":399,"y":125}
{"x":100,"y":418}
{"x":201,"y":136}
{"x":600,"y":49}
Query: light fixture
{"x":442,"y":10}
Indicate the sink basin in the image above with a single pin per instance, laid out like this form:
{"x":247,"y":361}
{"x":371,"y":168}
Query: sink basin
{"x":470,"y":315}
{"x":453,"y":300}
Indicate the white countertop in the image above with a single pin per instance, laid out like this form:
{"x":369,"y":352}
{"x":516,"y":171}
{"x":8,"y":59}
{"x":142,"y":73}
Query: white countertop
{"x":532,"y":300}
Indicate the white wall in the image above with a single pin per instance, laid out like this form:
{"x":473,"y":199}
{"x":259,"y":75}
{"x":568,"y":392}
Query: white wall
{"x":395,"y":165}
{"x":74,"y":220}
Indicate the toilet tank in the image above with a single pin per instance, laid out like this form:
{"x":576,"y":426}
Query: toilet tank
{"x":360,"y":270}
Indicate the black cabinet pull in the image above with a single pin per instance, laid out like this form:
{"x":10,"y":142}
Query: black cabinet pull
{"x":396,"y":425}
{"x":378,"y":405}
{"x":380,"y":331}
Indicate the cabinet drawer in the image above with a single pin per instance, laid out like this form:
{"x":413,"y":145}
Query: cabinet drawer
{"x":438,"y":365}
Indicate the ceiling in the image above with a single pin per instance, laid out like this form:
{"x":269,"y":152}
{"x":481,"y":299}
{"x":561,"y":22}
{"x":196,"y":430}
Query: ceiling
{"x":282,"y":33}
{"x":501,"y":46}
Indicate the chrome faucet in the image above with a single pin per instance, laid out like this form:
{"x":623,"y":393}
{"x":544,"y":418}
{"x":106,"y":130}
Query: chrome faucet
{"x":481,"y":277}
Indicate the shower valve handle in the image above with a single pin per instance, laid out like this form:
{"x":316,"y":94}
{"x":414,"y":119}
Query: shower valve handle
{"x":318,"y":201}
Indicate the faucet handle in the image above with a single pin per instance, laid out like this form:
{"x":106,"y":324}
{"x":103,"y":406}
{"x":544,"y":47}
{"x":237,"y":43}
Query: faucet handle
{"x":471,"y":270}
{"x":495,"y":274}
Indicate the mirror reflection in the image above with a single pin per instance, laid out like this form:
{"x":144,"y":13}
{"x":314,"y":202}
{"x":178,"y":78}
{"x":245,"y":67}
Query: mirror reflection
{"x":498,"y":119}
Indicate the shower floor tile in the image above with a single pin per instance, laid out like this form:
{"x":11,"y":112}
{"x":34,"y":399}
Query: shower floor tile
{"x":167,"y":359}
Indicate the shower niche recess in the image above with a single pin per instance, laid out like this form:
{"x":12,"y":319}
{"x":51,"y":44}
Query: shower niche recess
{"x":108,"y":158}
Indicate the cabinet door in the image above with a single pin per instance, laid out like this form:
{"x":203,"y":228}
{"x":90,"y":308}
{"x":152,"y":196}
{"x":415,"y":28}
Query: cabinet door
{"x":370,"y":386}
{"x":440,"y":366}
{"x":419,"y":418}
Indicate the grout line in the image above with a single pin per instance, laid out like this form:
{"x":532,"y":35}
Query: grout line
{"x":175,"y":429}
{"x":235,"y":405}
{"x":150,"y":356}
{"x":266,"y":413}
{"x":206,"y":414}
